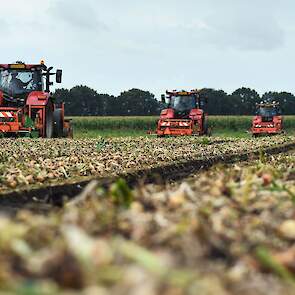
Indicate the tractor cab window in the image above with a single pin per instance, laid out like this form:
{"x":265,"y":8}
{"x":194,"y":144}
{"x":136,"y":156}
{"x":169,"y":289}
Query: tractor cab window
{"x":182,"y":103}
{"x":268,"y":112}
{"x":17,"y":82}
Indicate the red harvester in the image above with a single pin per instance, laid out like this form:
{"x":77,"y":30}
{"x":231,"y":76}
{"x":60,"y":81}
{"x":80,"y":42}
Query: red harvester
{"x":184,"y":115}
{"x":26,"y":105}
{"x":268,"y":119}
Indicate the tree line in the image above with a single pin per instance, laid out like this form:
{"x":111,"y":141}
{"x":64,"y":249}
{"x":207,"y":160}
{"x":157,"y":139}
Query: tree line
{"x":84,"y":101}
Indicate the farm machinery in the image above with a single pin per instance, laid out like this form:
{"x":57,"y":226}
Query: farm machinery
{"x":268,"y":119}
{"x":184,"y":114}
{"x":27,"y":107}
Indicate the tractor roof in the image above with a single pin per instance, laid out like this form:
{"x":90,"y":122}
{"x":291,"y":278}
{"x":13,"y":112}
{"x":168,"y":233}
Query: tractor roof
{"x":267,"y":105}
{"x":183,"y":92}
{"x":22,"y":66}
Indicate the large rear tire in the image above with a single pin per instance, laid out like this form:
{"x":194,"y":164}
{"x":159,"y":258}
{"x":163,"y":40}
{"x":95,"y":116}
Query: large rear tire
{"x":58,"y":123}
{"x":68,"y":132}
{"x":49,"y":121}
{"x":205,"y":126}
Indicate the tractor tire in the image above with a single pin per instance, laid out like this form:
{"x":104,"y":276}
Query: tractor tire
{"x":68,"y":132}
{"x":205,"y":124}
{"x":57,"y":124}
{"x":49,"y":121}
{"x":209,"y":132}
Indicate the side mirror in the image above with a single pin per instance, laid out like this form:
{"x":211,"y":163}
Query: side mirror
{"x":58,"y":76}
{"x":163,"y":98}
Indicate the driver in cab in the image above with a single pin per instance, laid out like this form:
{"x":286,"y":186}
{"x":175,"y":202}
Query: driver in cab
{"x":17,"y":85}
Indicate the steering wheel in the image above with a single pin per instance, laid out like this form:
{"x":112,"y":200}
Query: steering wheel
{"x":29,"y":83}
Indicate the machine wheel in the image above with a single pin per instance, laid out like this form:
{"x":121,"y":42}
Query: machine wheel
{"x":209,"y":132}
{"x":49,"y":121}
{"x":68,"y":132}
{"x":205,"y":126}
{"x":71,"y":133}
{"x":57,"y":124}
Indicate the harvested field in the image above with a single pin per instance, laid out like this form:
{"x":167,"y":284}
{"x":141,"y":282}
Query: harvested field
{"x":227,"y":231}
{"x":34,"y":163}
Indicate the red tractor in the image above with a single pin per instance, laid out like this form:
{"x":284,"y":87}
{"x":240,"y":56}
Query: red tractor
{"x":184,"y":114}
{"x":268,"y":119}
{"x":26,"y":105}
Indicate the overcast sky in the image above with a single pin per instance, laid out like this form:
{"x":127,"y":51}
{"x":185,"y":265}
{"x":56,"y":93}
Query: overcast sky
{"x":115,"y":45}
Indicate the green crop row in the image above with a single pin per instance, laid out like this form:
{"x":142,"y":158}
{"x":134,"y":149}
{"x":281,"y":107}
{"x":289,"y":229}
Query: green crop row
{"x":114,"y":123}
{"x":234,"y":123}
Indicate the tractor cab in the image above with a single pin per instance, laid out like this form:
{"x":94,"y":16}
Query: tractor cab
{"x":268,"y":111}
{"x":184,"y":114}
{"x":17,"y":84}
{"x":19,"y":80}
{"x":26,"y":105}
{"x":183,"y":104}
{"x":268,"y":119}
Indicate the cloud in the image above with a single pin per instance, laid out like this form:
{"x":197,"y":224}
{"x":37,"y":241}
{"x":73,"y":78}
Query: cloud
{"x":246,"y":32}
{"x":235,"y":29}
{"x":113,"y":45}
{"x":80,"y":15}
{"x":4,"y":26}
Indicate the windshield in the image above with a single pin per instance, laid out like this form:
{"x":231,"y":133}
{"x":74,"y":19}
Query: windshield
{"x":183,"y":103}
{"x":268,"y":112}
{"x":15,"y":82}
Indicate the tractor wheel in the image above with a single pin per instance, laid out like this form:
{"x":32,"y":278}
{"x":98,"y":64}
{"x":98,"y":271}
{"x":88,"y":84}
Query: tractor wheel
{"x":57,"y":123}
{"x":71,"y":133}
{"x":205,"y":126}
{"x":49,"y":121}
{"x":209,"y":132}
{"x":68,"y":132}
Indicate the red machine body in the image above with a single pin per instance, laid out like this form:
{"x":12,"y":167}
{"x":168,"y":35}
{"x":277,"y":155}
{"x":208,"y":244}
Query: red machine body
{"x":184,"y":114}
{"x":268,"y":120}
{"x":26,"y":105}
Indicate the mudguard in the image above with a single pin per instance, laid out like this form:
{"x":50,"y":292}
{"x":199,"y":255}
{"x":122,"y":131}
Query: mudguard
{"x":38,"y":98}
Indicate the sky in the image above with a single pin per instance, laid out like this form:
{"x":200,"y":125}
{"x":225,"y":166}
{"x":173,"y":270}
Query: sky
{"x":116,"y":45}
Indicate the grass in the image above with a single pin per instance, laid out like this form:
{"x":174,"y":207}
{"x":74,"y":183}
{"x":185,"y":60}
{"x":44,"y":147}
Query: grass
{"x":114,"y":123}
{"x":109,"y":133}
{"x":227,"y":126}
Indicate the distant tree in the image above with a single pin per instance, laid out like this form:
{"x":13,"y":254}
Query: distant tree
{"x":246,"y":99}
{"x":136,"y":102}
{"x":84,"y":101}
{"x":87,"y":101}
{"x":110,"y":105}
{"x":286,"y":100}
{"x":218,"y":102}
{"x":80,"y":101}
{"x":61,"y":95}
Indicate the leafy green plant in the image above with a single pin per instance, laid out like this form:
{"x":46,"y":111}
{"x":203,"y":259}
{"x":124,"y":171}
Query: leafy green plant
{"x":266,"y":259}
{"x":101,"y":144}
{"x":262,"y":156}
{"x":206,"y":141}
{"x":122,"y":194}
